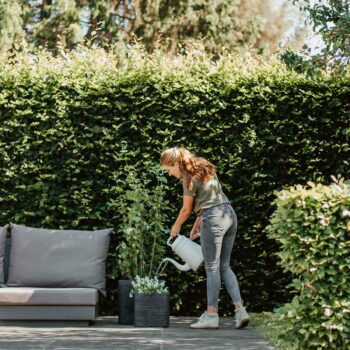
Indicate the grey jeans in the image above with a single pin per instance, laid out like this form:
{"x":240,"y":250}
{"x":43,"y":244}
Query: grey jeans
{"x":218,"y":227}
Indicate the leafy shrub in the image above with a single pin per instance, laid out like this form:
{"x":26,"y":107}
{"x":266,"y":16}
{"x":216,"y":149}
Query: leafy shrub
{"x":313,"y":227}
{"x":143,"y":228}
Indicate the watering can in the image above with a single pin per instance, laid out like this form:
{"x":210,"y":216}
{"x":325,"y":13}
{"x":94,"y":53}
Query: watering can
{"x":189,"y":251}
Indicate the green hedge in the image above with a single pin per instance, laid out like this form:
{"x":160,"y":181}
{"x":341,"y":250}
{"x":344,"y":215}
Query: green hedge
{"x":70,"y":124}
{"x":313,"y":227}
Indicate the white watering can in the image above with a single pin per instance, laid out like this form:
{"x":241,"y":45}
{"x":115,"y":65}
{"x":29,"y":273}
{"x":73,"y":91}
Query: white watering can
{"x":189,"y":251}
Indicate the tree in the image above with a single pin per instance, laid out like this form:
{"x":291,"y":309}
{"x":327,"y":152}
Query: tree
{"x":10,"y":23}
{"x":231,"y":24}
{"x":331,"y":19}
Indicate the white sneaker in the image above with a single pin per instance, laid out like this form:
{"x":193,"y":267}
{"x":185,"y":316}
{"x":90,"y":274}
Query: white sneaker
{"x":207,"y":321}
{"x":242,"y":317}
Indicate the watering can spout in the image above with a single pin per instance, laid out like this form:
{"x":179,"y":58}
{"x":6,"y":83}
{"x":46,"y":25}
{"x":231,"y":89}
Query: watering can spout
{"x":184,"y":267}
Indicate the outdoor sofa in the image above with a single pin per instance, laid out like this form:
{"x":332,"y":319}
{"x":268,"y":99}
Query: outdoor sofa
{"x":51,"y":274}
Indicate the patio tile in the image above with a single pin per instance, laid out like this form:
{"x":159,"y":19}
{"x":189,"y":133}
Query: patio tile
{"x":107,"y":334}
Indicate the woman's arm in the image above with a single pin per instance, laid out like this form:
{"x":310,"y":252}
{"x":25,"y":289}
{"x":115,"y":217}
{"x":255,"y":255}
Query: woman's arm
{"x":184,"y":213}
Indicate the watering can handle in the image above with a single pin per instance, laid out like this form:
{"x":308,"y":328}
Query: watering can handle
{"x":168,"y":241}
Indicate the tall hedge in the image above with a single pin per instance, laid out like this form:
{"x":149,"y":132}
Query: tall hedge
{"x":312,"y":225}
{"x":69,"y":125}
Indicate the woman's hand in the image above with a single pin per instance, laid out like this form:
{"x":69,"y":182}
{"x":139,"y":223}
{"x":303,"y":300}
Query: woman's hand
{"x":195,"y":229}
{"x":194,"y":233}
{"x":175,"y":230}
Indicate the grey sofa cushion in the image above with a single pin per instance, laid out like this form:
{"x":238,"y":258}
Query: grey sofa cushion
{"x":3,"y":233}
{"x":57,"y":258}
{"x":48,"y":296}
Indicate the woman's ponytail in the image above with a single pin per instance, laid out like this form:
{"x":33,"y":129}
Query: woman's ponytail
{"x":191,"y":166}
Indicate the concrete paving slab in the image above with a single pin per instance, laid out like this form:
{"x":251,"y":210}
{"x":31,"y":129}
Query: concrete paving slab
{"x":107,"y":334}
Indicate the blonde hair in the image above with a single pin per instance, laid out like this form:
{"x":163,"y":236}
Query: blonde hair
{"x":191,"y":166}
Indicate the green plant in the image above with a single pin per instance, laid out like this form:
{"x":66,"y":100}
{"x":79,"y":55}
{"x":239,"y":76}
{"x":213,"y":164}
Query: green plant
{"x":147,"y":285}
{"x":272,"y":327}
{"x":312,"y":225}
{"x":143,"y":212}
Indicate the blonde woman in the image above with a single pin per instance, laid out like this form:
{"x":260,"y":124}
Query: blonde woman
{"x":216,"y":223}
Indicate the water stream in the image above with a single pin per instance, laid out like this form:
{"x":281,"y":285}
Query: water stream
{"x":163,"y":262}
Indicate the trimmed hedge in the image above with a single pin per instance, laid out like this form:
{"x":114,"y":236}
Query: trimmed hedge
{"x":312,"y":225}
{"x":70,"y":124}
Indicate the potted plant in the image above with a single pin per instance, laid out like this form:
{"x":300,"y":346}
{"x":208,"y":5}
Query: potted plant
{"x":151,"y":302}
{"x":143,"y":231}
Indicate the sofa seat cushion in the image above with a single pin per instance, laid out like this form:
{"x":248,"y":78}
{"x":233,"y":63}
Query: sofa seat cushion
{"x":48,"y":296}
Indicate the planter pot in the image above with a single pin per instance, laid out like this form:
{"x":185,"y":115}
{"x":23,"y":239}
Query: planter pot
{"x":151,"y":310}
{"x":125,"y":303}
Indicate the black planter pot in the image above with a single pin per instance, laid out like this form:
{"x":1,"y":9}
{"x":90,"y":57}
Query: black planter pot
{"x":125,"y":303}
{"x":151,"y":310}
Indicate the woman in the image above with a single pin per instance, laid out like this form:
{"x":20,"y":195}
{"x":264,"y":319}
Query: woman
{"x":216,"y":223}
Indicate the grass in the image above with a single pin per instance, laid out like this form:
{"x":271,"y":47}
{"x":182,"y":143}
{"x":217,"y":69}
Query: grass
{"x":270,"y":327}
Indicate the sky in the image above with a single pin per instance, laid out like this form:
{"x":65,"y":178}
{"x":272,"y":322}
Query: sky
{"x":313,"y":40}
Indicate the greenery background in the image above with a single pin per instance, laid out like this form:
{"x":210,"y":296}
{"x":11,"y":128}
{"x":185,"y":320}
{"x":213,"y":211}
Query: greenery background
{"x":252,"y":24}
{"x":81,"y":130}
{"x":69,"y":125}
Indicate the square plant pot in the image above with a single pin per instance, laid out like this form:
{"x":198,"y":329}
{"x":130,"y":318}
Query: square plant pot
{"x":151,"y":310}
{"x":125,"y":302}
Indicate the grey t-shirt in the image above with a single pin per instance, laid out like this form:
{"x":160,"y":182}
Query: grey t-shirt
{"x":207,"y":194}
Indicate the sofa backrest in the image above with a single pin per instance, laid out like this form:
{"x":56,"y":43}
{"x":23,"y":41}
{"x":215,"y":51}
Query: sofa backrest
{"x":7,"y":258}
{"x":57,"y":258}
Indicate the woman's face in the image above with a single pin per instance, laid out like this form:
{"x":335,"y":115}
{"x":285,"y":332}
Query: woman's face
{"x":173,"y":170}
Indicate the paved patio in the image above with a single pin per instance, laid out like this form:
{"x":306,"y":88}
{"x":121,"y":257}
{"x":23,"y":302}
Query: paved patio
{"x":107,"y":334}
